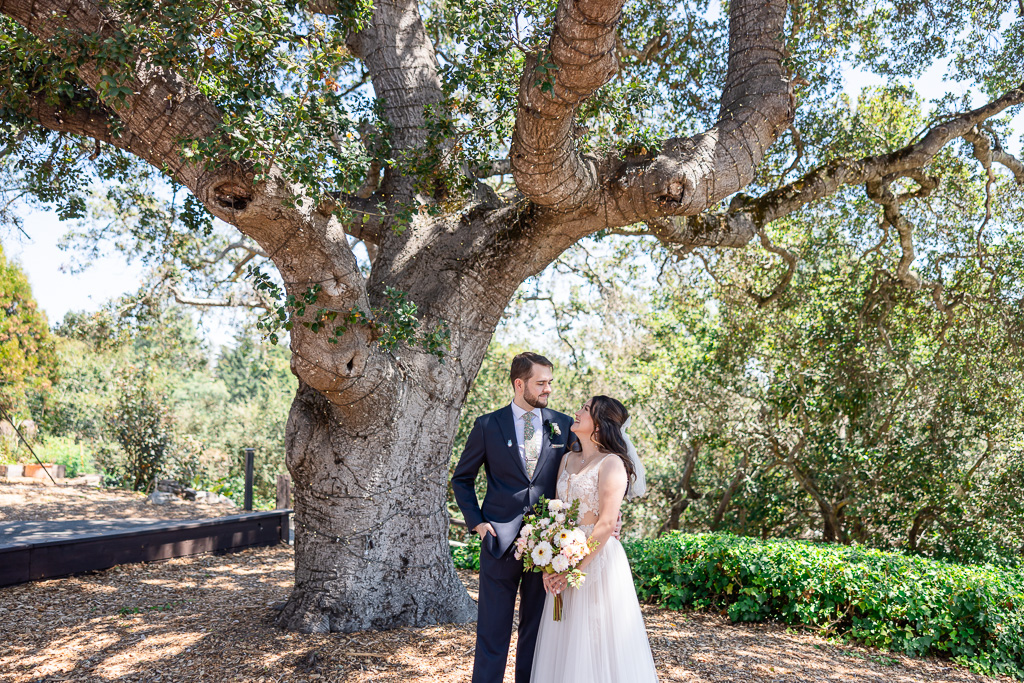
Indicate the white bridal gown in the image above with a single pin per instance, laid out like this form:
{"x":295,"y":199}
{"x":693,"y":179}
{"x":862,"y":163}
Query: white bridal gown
{"x":601,"y":637}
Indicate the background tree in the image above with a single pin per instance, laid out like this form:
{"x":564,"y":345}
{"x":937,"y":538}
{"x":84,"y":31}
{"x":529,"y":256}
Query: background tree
{"x":140,"y":423}
{"x":27,"y":358}
{"x":640,"y":119}
{"x":208,"y":411}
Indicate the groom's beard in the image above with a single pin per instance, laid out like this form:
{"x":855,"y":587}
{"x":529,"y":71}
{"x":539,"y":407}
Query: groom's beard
{"x":536,"y":400}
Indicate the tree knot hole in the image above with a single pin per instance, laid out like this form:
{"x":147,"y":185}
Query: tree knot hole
{"x":232,"y":197}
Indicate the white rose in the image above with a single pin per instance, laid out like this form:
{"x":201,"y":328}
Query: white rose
{"x":560,"y":518}
{"x":560,"y":563}
{"x":543,"y":523}
{"x":554,"y":505}
{"x":527,"y":530}
{"x":542,"y":554}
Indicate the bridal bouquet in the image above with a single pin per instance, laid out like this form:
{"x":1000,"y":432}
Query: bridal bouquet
{"x":550,"y":542}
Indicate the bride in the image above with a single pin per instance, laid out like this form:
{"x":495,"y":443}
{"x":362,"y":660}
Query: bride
{"x":601,"y":637}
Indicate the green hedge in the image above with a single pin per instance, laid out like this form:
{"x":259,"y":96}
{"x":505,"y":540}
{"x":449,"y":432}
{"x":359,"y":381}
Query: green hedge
{"x":974,"y":614}
{"x":467,"y":556}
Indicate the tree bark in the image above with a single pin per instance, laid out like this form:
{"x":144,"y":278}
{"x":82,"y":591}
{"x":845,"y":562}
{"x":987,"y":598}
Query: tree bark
{"x":370,"y":523}
{"x":370,"y":466}
{"x":370,"y":431}
{"x":684,"y":494}
{"x":922,"y":520}
{"x":737,"y":480}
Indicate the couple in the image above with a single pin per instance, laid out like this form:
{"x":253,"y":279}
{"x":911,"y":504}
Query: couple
{"x":529,"y":451}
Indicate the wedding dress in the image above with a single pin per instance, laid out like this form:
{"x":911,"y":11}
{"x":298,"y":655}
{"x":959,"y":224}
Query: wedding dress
{"x":601,"y":637}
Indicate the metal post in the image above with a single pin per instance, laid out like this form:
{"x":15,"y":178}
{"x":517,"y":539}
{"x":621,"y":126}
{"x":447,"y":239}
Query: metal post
{"x":250,"y":454}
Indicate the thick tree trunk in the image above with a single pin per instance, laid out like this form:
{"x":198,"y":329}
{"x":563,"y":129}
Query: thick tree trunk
{"x":922,"y":520}
{"x":371,"y":525}
{"x":370,"y":460}
{"x":830,"y":531}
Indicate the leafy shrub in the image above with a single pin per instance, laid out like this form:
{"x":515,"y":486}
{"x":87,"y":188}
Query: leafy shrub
{"x":234,"y":488}
{"x":973,"y":613}
{"x":184,"y":461}
{"x":140,"y":423}
{"x":467,"y":556}
{"x":62,"y":450}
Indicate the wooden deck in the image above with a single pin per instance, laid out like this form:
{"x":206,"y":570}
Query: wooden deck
{"x":32,"y":551}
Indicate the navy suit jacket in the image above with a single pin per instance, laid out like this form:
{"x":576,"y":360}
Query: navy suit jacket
{"x":510,"y":492}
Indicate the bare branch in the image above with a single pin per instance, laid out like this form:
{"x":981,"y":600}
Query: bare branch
{"x":798,"y":146}
{"x":991,"y":151}
{"x":880,"y":191}
{"x":746,"y":216}
{"x":230,"y":301}
{"x":655,"y":45}
{"x":243,"y":244}
{"x":830,"y":177}
{"x":493,"y":167}
{"x":789,"y":258}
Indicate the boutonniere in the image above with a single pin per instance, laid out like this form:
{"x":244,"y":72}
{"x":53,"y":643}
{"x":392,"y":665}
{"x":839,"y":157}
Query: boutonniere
{"x":553,"y":428}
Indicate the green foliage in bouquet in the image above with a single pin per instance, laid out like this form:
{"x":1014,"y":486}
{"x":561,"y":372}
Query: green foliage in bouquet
{"x":974,"y":614}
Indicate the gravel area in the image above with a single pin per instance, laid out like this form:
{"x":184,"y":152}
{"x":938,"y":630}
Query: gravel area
{"x":210,"y":618}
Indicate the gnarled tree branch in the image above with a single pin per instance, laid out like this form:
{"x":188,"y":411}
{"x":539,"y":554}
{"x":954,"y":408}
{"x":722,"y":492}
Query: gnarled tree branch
{"x":545,"y":163}
{"x":231,"y":301}
{"x":162,"y":109}
{"x":689,"y":175}
{"x":828,"y":178}
{"x":747,"y":215}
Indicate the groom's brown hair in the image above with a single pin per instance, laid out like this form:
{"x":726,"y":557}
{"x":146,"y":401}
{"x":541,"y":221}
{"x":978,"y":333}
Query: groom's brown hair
{"x":522,"y":366}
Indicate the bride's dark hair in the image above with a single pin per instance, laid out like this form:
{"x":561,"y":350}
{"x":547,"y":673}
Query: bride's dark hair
{"x":609,"y":415}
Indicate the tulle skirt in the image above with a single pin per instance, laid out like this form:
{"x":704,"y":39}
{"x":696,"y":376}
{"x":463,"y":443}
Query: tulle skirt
{"x":601,"y":637}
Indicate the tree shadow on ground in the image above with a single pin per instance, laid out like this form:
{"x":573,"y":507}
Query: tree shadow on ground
{"x":210,"y":618}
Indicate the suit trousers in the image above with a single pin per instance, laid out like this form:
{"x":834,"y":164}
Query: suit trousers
{"x":500,"y":579}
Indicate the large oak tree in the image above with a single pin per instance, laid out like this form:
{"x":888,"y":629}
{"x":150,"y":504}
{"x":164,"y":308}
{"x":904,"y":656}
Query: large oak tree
{"x":319,"y":128}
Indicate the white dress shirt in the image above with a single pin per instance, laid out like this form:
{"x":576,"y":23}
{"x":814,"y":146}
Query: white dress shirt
{"x":517,"y":414}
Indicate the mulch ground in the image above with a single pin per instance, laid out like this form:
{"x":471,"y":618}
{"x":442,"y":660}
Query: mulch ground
{"x":209,"y":618}
{"x":26,"y":499}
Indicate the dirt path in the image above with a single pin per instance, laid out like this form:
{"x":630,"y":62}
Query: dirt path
{"x":209,"y":618}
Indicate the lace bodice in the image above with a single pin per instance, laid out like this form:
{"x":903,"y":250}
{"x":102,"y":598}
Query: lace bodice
{"x":581,"y":486}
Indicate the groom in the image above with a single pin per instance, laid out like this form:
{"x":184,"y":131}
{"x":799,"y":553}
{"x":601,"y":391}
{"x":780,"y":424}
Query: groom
{"x":520,"y":447}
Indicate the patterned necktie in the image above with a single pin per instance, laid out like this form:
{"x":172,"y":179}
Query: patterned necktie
{"x":531,"y":445}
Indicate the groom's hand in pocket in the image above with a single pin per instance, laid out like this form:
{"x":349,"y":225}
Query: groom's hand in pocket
{"x":618,"y":527}
{"x":485,"y":528}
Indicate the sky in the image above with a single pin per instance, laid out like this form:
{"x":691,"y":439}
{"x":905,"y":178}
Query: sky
{"x":55,"y":288}
{"x":58,"y":291}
